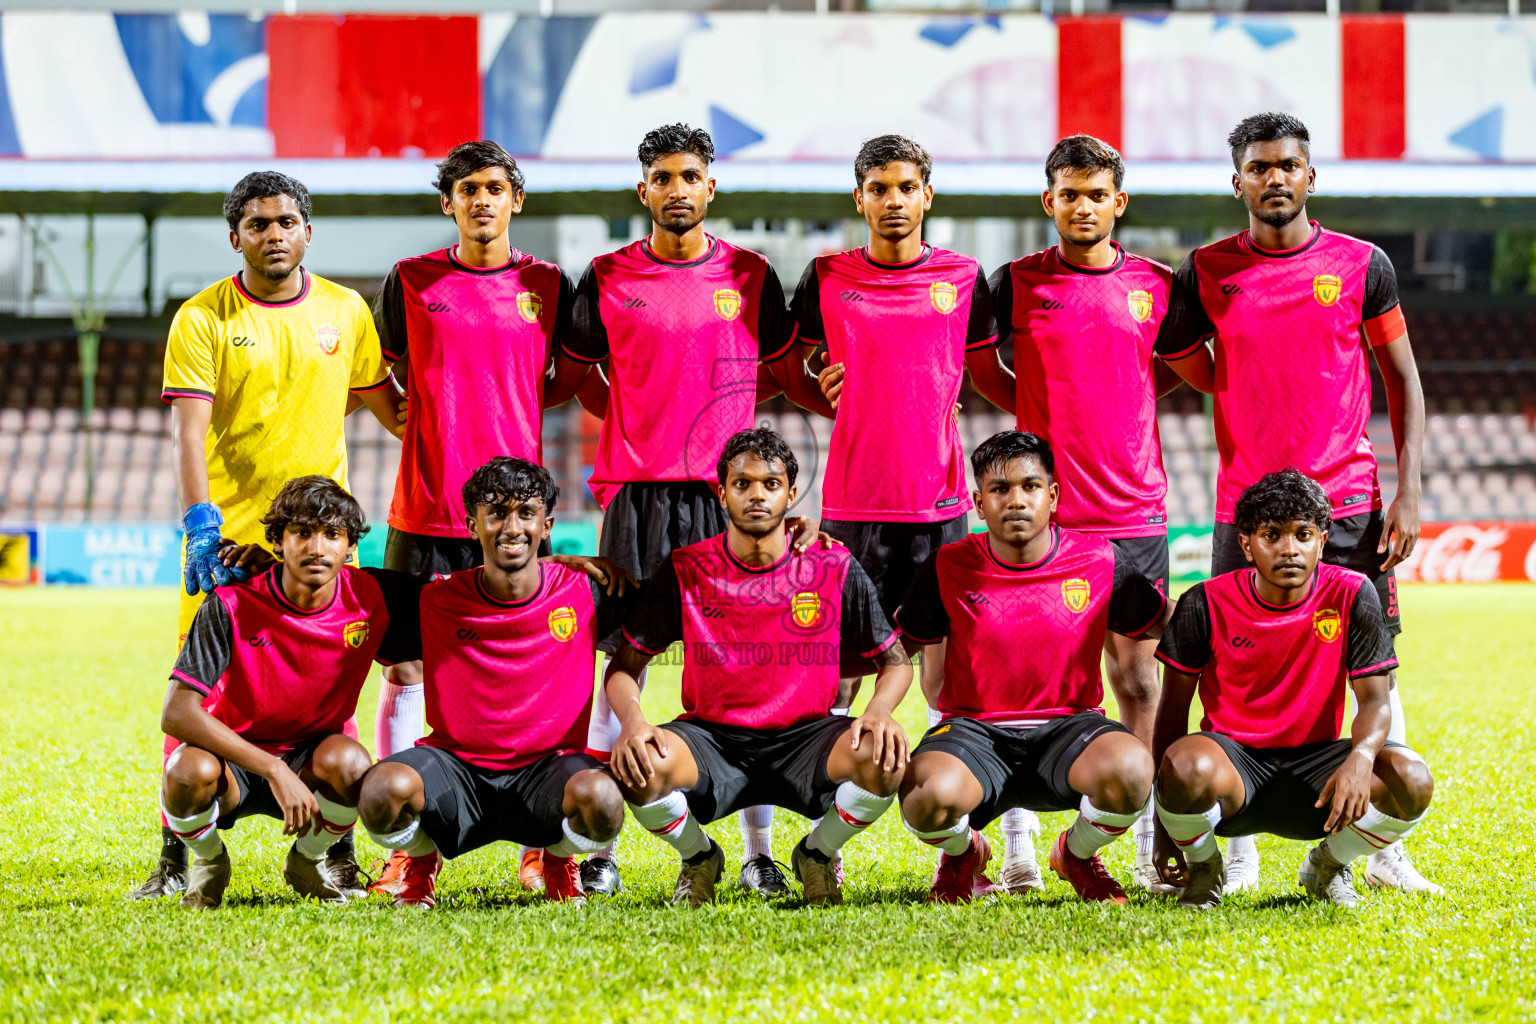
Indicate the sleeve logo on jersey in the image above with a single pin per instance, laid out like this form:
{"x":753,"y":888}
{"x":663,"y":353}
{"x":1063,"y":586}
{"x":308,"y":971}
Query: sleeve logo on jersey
{"x":529,"y":306}
{"x":1075,"y":593}
{"x":805,"y":609}
{"x":728,"y":303}
{"x":355,"y":634}
{"x":1327,"y":624}
{"x":328,"y":337}
{"x":562,"y":623}
{"x":944,"y":296}
{"x":1140,"y":305}
{"x":1326,"y":288}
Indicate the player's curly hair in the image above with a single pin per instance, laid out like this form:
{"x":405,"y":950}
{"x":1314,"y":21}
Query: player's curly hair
{"x":1270,"y":126}
{"x":766,"y":444}
{"x":263,"y":185}
{"x":1084,"y":153}
{"x":890,"y":149}
{"x":505,"y":479}
{"x":1284,"y":497}
{"x":671,"y":139}
{"x":314,"y":501}
{"x":468,"y":157}
{"x":1005,"y":446}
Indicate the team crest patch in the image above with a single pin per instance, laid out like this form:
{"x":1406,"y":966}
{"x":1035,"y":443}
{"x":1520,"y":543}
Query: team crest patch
{"x":529,"y":306}
{"x":943,"y":295}
{"x":805,"y":609}
{"x":355,"y":634}
{"x":1075,"y":593}
{"x":328,"y":337}
{"x":728,"y":303}
{"x":562,"y":623}
{"x":1140,"y":304}
{"x":1327,"y":624}
{"x":1326,"y":288}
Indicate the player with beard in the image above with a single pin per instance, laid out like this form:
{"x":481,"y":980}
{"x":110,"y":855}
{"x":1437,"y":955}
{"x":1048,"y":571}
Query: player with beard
{"x":258,"y":370}
{"x":1288,"y":293}
{"x":682,"y":320}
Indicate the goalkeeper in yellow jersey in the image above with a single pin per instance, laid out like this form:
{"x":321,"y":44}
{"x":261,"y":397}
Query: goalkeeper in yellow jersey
{"x":260,"y":370}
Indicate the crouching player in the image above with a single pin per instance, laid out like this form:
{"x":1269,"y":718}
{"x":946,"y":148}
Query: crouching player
{"x":1026,"y":607}
{"x":764,"y":630}
{"x":1270,"y":648}
{"x":508,"y":653}
{"x":284,"y":659}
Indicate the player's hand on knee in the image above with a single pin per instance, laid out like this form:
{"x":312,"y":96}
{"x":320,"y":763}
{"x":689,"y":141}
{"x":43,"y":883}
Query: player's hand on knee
{"x":1168,"y":858}
{"x":1349,"y":791}
{"x":830,"y":380}
{"x":293,"y":797}
{"x":885,"y":738}
{"x":635,"y":755}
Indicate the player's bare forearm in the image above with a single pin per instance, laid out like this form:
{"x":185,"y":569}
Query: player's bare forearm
{"x":384,"y":403}
{"x":1165,"y":379}
{"x":593,"y":394}
{"x":183,"y":717}
{"x":767,"y":385}
{"x":791,"y":374}
{"x":1172,"y":723}
{"x":991,"y":379}
{"x":565,"y":379}
{"x":893,"y":678}
{"x":1198,"y":369}
{"x":190,"y":418}
{"x":1347,"y":793}
{"x":1373,"y":716}
{"x":622,"y":686}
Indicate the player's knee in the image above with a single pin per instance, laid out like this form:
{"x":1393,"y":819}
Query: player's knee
{"x":406,"y":673}
{"x":1125,"y":780}
{"x":387,"y":787}
{"x":340,"y":762}
{"x":934,"y":802}
{"x":1186,"y":778}
{"x":1138,"y":686}
{"x":596,"y":804}
{"x":1409,"y":782}
{"x":191,"y":779}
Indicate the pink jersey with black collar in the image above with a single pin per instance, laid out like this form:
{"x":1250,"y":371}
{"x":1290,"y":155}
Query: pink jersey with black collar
{"x":903,"y":332}
{"x":761,"y":646}
{"x":1082,"y":353}
{"x":1025,"y":641}
{"x":682,"y":341}
{"x":477,"y":343}
{"x":1275,"y":675}
{"x":510,"y":682}
{"x":1293,"y":378}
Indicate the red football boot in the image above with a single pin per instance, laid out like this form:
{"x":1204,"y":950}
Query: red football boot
{"x":562,"y":879}
{"x":956,"y":877}
{"x":389,"y":879}
{"x":530,"y":870}
{"x":418,"y":883}
{"x":1088,"y":877}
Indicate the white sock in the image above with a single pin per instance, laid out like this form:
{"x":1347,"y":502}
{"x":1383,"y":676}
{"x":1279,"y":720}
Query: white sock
{"x":1145,"y":833}
{"x":401,"y":718}
{"x":199,"y":832}
{"x":1020,"y":827}
{"x":573,"y":843}
{"x":853,"y":810}
{"x":670,"y":819}
{"x":1397,"y":732}
{"x":412,"y":840}
{"x":841,"y":712}
{"x":1244,"y":847}
{"x":333,"y":822}
{"x":757,"y":831}
{"x":1194,"y":834}
{"x":1374,"y":831}
{"x":1095,"y":829}
{"x":954,"y":840}
{"x":935,"y":716}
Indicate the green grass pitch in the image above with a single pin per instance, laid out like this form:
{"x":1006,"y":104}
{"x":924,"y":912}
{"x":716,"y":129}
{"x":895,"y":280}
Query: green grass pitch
{"x":84,"y":673}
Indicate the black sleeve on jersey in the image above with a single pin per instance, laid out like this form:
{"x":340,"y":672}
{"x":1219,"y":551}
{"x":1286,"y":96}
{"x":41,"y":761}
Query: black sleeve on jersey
{"x":587,"y":340}
{"x":865,"y":631}
{"x":612,"y":610}
{"x":921,"y":615}
{"x":656,"y":619}
{"x":389,"y":317}
{"x":775,"y":329}
{"x":204,"y":658}
{"x":402,"y":599}
{"x":1370,"y":651}
{"x":1186,"y":324}
{"x":564,"y":311}
{"x":1380,"y":286}
{"x":1001,"y":289}
{"x":1135,"y":605}
{"x":805,"y":307}
{"x":981,"y":331}
{"x":1186,"y":643}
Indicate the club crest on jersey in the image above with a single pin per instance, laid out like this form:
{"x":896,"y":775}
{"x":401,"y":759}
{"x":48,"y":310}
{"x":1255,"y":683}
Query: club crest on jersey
{"x":328,"y":337}
{"x":943,"y":295}
{"x":1075,"y":593}
{"x":728,"y":303}
{"x":529,"y":306}
{"x":1327,"y":625}
{"x":1326,"y":288}
{"x":1140,"y":304}
{"x":355,"y":634}
{"x":562,"y":623}
{"x":805,"y":609}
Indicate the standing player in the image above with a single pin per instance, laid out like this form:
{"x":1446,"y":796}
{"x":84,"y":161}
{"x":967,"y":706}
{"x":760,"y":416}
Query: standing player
{"x":764,"y":631}
{"x":1270,"y":648}
{"x":264,"y":686}
{"x":1286,"y":294}
{"x":1083,"y":316}
{"x":509,"y":650}
{"x":257,"y":372}
{"x":1026,"y":607}
{"x":682,"y":320}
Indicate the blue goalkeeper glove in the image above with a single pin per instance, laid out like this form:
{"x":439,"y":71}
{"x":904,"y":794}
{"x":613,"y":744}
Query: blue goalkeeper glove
{"x":203,"y":569}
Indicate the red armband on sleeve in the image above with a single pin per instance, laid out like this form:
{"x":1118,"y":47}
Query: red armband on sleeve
{"x":1387,"y":328}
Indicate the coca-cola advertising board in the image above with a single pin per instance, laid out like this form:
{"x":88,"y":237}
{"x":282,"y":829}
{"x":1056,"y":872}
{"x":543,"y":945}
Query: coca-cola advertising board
{"x":1472,"y":553}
